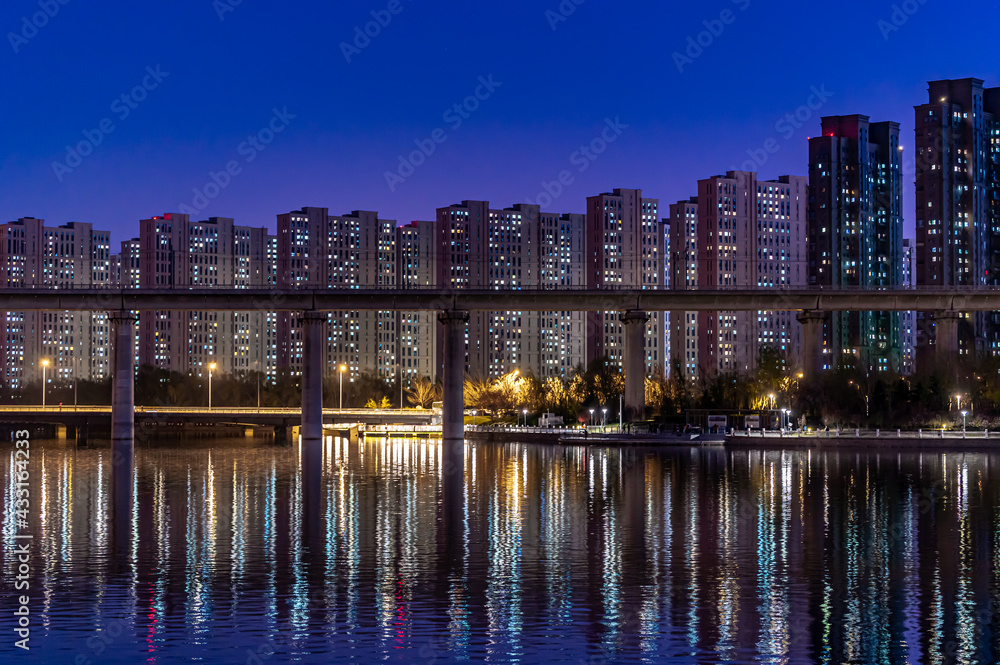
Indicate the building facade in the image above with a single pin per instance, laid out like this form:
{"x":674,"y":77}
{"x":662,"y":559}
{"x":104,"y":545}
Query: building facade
{"x":70,"y":345}
{"x":957,"y":182}
{"x":316,"y":250}
{"x":855,"y":233}
{"x":624,"y":250}
{"x":739,"y":232}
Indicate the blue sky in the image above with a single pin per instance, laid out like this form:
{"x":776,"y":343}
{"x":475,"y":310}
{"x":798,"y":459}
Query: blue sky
{"x":247,"y":109}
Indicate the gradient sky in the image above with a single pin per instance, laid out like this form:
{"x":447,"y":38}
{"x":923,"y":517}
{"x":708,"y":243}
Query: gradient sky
{"x":227,"y":64}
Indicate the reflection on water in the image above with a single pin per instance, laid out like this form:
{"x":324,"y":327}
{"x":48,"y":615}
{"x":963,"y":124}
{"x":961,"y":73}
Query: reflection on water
{"x":552,"y":554}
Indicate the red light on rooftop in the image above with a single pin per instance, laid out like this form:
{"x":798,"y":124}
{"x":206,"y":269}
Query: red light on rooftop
{"x":167,"y":216}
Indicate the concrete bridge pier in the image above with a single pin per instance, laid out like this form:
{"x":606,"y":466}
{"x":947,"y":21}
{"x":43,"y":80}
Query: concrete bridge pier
{"x":946,"y":341}
{"x":812,"y":321}
{"x":122,"y":421}
{"x":635,"y":363}
{"x":123,"y":385}
{"x":311,"y":451}
{"x":455,"y":324}
{"x":453,"y":414}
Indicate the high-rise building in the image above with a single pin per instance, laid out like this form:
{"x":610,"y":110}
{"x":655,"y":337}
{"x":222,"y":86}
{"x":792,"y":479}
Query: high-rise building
{"x":317,"y":250}
{"x":958,"y":201}
{"x":416,"y":265}
{"x":740,"y":232}
{"x":624,"y":243}
{"x":74,"y":344}
{"x":855,"y":233}
{"x":908,"y":320}
{"x":561,"y":334}
{"x":514,"y":248}
{"x":176,"y":253}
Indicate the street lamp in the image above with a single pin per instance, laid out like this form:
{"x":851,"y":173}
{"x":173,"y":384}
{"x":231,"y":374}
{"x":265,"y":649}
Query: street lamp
{"x":45,"y":364}
{"x":964,"y":413}
{"x":604,"y":424}
{"x":959,"y":398}
{"x":787,"y":412}
{"x":343,"y":368}
{"x":473,"y":417}
{"x":211,"y":368}
{"x":525,"y":417}
{"x":591,"y":421}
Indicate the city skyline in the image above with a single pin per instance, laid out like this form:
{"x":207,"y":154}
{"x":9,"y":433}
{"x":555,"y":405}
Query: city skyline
{"x":534,"y":87}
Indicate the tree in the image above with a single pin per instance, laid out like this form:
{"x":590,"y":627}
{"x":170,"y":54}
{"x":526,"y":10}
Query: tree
{"x":423,"y":393}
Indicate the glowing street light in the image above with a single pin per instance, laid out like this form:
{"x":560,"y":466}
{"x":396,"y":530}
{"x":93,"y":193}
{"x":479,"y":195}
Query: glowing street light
{"x":473,"y":417}
{"x":525,"y":417}
{"x":211,"y":368}
{"x":45,"y":365}
{"x":343,"y":368}
{"x":591,"y":421}
{"x":604,"y":424}
{"x":959,"y":398}
{"x":964,"y":413}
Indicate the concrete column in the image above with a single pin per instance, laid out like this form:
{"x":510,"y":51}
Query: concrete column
{"x":312,"y":376}
{"x":455,"y":324}
{"x":453,"y":422}
{"x":635,"y":363}
{"x":122,"y":425}
{"x":812,"y":343}
{"x":123,"y":382}
{"x":311,"y":452}
{"x":946,"y":340}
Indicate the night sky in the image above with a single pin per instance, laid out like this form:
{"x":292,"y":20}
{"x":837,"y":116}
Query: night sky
{"x":206,"y":86}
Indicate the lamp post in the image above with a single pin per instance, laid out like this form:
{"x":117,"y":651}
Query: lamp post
{"x":473,"y":417}
{"x":604,"y":423}
{"x":342,"y":368}
{"x":525,"y":418}
{"x":620,"y":413}
{"x":959,"y":399}
{"x":964,"y":413}
{"x":45,"y":365}
{"x":211,"y":368}
{"x":591,"y":421}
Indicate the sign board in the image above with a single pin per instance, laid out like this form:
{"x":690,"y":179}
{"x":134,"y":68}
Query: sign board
{"x":752,"y":422}
{"x":717,"y":423}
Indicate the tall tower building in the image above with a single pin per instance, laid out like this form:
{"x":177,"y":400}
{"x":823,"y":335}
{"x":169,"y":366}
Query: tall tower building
{"x":855,"y":233}
{"x":176,"y":253}
{"x":958,"y":201}
{"x":624,"y":239}
{"x":416,"y":265}
{"x":75,"y":344}
{"x":908,"y":320}
{"x":479,"y":247}
{"x":738,"y":232}
{"x":317,"y":250}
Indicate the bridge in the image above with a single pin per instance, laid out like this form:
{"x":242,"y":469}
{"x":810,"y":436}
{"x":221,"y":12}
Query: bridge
{"x":960,"y":299}
{"x":453,"y":307}
{"x":70,"y":414}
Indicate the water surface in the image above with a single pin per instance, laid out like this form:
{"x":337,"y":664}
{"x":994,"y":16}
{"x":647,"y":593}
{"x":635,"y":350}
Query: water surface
{"x":557,"y":555}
